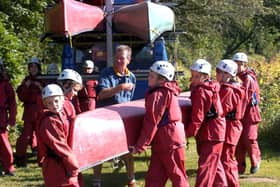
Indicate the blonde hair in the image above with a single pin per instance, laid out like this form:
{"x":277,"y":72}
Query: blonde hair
{"x":45,"y":100}
{"x":121,"y":48}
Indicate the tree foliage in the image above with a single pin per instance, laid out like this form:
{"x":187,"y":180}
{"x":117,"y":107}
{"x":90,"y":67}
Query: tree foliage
{"x":217,"y":29}
{"x":21,"y":23}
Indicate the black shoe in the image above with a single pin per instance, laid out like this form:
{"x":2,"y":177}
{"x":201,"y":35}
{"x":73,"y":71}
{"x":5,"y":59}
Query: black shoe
{"x":34,"y":152}
{"x":20,"y":161}
{"x":10,"y":173}
{"x":242,"y":168}
{"x":7,"y":173}
{"x":255,"y":169}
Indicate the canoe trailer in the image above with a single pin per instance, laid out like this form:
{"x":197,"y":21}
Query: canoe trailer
{"x":90,"y":30}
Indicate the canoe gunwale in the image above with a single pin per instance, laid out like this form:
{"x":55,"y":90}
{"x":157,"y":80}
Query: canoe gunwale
{"x":102,"y":161}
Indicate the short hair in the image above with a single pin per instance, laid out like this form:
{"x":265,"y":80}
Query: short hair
{"x":38,"y":66}
{"x":124,"y":48}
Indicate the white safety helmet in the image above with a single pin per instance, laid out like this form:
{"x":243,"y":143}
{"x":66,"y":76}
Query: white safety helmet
{"x":34,"y":60}
{"x":52,"y":69}
{"x":201,"y":66}
{"x":51,"y":90}
{"x":69,"y":74}
{"x":88,"y":64}
{"x":242,"y":57}
{"x":164,"y":68}
{"x":228,"y":66}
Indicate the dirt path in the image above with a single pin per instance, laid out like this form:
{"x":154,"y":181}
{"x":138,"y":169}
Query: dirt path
{"x":257,"y":179}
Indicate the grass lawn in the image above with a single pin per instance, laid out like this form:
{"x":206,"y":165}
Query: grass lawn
{"x":268,"y":176}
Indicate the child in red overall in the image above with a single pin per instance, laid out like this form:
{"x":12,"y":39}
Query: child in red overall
{"x":207,"y":125}
{"x":59,"y":164}
{"x":71,"y":83}
{"x":232,"y":97}
{"x":86,"y":98}
{"x":8,"y":111}
{"x":163,"y":129}
{"x":248,"y":141}
{"x":28,"y":92}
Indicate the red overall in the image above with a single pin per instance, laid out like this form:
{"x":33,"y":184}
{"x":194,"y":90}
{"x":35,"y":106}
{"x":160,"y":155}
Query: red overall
{"x":29,"y":96}
{"x":164,"y":131}
{"x":86,"y":99}
{"x":248,"y":140}
{"x":71,"y":115}
{"x":8,"y":112}
{"x":59,"y":165}
{"x":232,"y":97}
{"x":209,"y":128}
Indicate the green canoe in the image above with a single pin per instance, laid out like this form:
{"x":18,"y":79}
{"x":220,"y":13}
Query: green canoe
{"x":145,"y":20}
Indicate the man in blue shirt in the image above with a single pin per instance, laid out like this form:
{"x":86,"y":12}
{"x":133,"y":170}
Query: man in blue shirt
{"x":116,"y":85}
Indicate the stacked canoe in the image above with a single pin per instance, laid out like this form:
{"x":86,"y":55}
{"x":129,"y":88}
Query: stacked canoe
{"x":144,"y":20}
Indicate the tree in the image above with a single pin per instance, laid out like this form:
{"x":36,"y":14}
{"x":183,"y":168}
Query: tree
{"x":21,"y":23}
{"x":216,"y":29}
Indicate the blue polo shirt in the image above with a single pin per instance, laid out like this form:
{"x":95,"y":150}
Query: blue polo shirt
{"x":108,"y":79}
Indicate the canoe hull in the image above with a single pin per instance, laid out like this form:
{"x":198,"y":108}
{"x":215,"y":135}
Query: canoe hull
{"x":145,"y":20}
{"x":107,"y":132}
{"x":69,"y":18}
{"x":98,"y":137}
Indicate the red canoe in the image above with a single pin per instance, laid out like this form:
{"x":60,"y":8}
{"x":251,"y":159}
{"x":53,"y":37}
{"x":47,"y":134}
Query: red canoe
{"x":105,"y":133}
{"x":70,"y":17}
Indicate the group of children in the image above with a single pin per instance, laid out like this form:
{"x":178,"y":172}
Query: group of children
{"x":224,"y":121}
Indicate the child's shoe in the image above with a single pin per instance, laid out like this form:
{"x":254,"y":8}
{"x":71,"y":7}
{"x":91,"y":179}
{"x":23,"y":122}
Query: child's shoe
{"x":255,"y":169}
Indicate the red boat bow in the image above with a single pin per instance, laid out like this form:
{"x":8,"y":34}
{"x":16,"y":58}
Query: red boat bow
{"x":70,"y":17}
{"x":105,"y":133}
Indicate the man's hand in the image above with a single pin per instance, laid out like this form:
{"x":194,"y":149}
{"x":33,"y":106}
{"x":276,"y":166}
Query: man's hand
{"x":110,"y":92}
{"x":126,"y":86}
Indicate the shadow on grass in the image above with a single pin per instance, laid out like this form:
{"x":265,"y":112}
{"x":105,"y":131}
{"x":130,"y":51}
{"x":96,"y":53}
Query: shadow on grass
{"x":191,"y":172}
{"x":113,"y":179}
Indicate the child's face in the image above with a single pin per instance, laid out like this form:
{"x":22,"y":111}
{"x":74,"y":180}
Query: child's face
{"x":87,"y":70}
{"x":54,"y":103}
{"x":241,"y":66}
{"x":153,"y":79}
{"x":71,"y":91}
{"x":33,"y":69}
{"x":222,"y":76}
{"x":197,"y":78}
{"x":219,"y":75}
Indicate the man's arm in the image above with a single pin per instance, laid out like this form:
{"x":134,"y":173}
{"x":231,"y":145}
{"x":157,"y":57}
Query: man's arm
{"x":106,"y":93}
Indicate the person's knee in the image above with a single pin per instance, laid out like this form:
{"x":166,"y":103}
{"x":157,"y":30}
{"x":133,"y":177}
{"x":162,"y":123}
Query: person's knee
{"x":251,"y":142}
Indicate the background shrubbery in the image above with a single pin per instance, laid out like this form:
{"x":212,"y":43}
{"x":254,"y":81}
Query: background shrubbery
{"x":269,"y":79}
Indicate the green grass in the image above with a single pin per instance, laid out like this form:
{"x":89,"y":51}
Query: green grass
{"x":31,"y":176}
